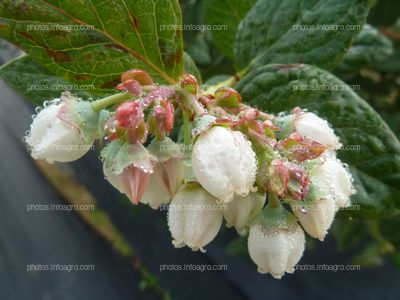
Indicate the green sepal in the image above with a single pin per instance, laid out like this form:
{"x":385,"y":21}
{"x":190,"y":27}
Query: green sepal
{"x":274,"y":219}
{"x":117,"y":157}
{"x":164,"y":149}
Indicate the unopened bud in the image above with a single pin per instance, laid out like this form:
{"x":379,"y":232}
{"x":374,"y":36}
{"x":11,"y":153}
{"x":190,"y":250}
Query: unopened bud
{"x":140,"y":76}
{"x":227,"y":97}
{"x":189,"y":83}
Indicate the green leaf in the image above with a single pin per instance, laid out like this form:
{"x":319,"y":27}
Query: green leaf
{"x":230,"y":13}
{"x":390,"y":230}
{"x":395,"y":259}
{"x":191,"y":68}
{"x":392,"y":64}
{"x":38,"y":84}
{"x":94,"y":41}
{"x":268,"y":33}
{"x":375,"y":167}
{"x":369,"y":47}
{"x":348,"y":233}
{"x":237,"y":246}
{"x":369,"y":257}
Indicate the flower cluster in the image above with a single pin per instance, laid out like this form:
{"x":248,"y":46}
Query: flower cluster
{"x":234,"y":158}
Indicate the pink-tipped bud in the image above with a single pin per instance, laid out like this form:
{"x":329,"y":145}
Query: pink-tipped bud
{"x":227,"y":97}
{"x":133,"y":182}
{"x":140,"y":76}
{"x":161,"y":120}
{"x":189,"y":83}
{"x":295,"y":147}
{"x":132,"y":86}
{"x":298,"y":184}
{"x":130,"y":116}
{"x":277,"y":178}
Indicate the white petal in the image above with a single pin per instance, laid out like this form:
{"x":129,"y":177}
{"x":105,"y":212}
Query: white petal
{"x":194,"y":218}
{"x":112,"y":178}
{"x":242,"y":210}
{"x":53,"y":139}
{"x":315,"y":128}
{"x":164,"y":183}
{"x":224,"y":163}
{"x":316,"y":218}
{"x":275,"y":252}
{"x":333,"y":180}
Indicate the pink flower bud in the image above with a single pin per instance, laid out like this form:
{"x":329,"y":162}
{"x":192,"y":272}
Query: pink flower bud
{"x":130,"y":116}
{"x":277,"y":178}
{"x":298,"y":184}
{"x":133,"y":182}
{"x":141,"y":76}
{"x":128,"y":168}
{"x":132,"y":86}
{"x":161,"y":120}
{"x":297,"y":148}
{"x":189,"y":83}
{"x":227,"y":97}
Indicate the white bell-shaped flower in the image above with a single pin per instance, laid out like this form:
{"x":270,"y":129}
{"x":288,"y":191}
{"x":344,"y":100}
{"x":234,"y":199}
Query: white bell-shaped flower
{"x":194,"y":218}
{"x":330,"y":178}
{"x":316,"y":218}
{"x":164,"y":183}
{"x":338,"y":179}
{"x":276,"y":244}
{"x":242,"y":210}
{"x":112,"y":178}
{"x":310,"y":126}
{"x":315,"y":128}
{"x":224,"y":163}
{"x":331,"y":188}
{"x":53,"y":139}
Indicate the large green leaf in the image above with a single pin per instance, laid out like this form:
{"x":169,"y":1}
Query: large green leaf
{"x":369,"y":47}
{"x":94,"y":41}
{"x":376,"y":166}
{"x":191,"y":68}
{"x":229,"y":13}
{"x":37,"y":84}
{"x":268,"y":33}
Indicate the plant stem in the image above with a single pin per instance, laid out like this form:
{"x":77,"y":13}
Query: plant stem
{"x":186,"y":127}
{"x":110,"y":100}
{"x":190,"y":101}
{"x":226,"y":83}
{"x":273,"y":200}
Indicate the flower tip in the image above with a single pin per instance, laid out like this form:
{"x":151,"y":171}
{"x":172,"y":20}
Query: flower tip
{"x":277,"y":276}
{"x":178,"y":244}
{"x":290,"y":270}
{"x":197,"y":248}
{"x":262,"y":271}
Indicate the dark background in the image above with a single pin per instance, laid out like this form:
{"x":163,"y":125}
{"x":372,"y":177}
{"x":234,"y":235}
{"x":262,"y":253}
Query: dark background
{"x":64,"y":238}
